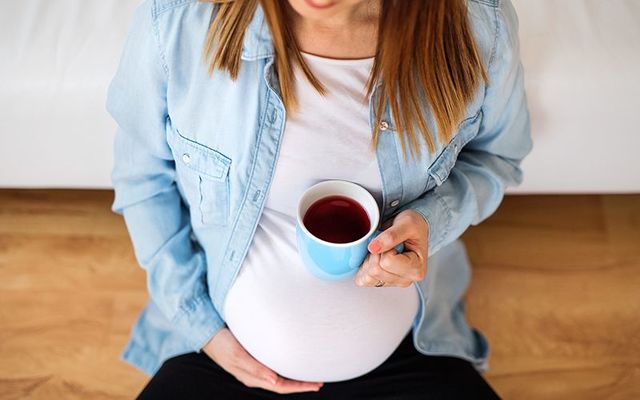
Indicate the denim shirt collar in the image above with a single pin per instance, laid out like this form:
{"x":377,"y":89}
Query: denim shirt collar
{"x":257,"y":42}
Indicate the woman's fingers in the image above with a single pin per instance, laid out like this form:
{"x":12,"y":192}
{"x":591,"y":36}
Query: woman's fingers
{"x":408,"y":264}
{"x":256,"y":374}
{"x":285,"y":385}
{"x":252,"y":367}
{"x":225,"y":350}
{"x":371,"y":272}
{"x":387,"y":265}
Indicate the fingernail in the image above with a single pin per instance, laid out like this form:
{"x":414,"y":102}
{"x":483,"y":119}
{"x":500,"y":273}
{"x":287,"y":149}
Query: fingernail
{"x":272,"y":380}
{"x":359,"y":282}
{"x":375,"y":246}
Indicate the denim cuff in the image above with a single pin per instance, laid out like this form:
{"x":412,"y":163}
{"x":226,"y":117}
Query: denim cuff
{"x":199,"y":323}
{"x":437,"y":214}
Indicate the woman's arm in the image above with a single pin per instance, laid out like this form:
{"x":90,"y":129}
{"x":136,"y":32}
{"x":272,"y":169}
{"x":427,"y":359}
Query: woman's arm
{"x":145,"y":189}
{"x":476,"y":183}
{"x":491,"y":161}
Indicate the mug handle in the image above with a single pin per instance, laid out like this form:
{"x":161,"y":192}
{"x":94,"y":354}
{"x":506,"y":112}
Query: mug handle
{"x":399,"y":248}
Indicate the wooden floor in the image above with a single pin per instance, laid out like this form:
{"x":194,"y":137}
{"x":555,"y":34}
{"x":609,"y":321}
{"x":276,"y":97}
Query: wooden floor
{"x":556,"y":288}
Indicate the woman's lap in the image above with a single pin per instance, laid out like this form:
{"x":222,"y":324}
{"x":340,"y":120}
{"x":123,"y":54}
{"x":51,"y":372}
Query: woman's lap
{"x":406,"y":374}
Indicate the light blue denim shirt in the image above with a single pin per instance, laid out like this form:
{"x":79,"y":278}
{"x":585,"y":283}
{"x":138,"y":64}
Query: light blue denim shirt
{"x":195,"y":156}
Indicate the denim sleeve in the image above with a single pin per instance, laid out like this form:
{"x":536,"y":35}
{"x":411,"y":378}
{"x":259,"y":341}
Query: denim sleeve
{"x":146,"y":194}
{"x":490,"y":161}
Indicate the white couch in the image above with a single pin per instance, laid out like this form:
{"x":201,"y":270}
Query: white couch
{"x":582,"y":60}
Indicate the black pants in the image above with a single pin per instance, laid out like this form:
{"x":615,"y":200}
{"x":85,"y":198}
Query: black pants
{"x":407,"y":374}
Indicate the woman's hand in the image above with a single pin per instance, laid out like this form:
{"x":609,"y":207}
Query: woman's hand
{"x":229,"y":354}
{"x":385,"y":264}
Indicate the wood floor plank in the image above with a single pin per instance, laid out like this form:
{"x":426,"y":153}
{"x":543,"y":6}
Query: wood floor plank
{"x":556,"y":289}
{"x":614,"y":382}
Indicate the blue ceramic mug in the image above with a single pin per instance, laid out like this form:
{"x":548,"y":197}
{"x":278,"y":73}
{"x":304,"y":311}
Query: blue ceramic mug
{"x":335,"y":261}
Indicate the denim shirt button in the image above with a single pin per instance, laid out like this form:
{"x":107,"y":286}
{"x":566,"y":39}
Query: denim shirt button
{"x":394,"y":203}
{"x":186,"y":158}
{"x":384,"y":125}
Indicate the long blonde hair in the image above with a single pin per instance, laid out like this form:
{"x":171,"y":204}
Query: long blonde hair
{"x":425,"y":50}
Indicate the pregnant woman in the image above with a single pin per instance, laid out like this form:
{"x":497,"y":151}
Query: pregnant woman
{"x":229,"y":110}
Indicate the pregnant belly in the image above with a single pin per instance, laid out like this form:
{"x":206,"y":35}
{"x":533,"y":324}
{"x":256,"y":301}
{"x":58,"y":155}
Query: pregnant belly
{"x":305,"y":328}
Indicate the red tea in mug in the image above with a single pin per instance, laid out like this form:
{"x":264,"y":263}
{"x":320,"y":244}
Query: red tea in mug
{"x":337,"y":219}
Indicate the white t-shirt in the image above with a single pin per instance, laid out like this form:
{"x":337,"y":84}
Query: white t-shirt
{"x":301,"y":326}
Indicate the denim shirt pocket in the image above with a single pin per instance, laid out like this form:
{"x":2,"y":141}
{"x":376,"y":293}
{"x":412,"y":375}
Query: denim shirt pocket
{"x":443,"y":164}
{"x":203,"y":176}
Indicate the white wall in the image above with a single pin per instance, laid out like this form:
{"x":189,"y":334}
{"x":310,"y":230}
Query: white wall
{"x":582,"y":65}
{"x":56,"y":60}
